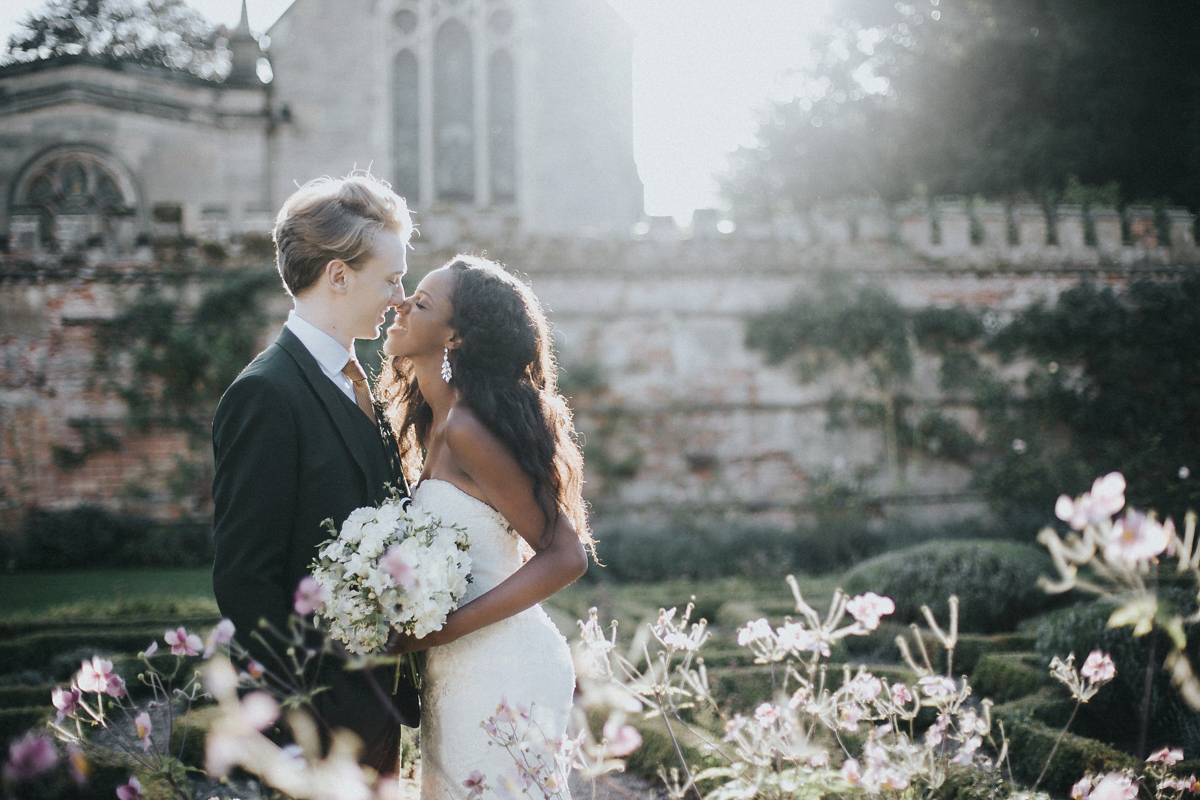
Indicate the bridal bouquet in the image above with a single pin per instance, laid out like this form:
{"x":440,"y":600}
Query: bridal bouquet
{"x":389,"y":566}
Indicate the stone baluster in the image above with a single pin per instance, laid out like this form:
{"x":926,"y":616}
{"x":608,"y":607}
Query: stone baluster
{"x":915,"y":228}
{"x":1031,"y":227}
{"x":994,"y":220}
{"x":1068,"y":224}
{"x":1106,"y":224}
{"x":955,"y":225}
{"x":1181,"y":230}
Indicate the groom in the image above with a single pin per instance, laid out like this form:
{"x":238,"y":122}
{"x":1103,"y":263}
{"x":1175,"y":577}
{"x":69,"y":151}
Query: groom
{"x":297,"y":438}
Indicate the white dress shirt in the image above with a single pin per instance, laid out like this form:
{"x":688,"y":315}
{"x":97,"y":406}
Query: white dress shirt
{"x":330,"y":355}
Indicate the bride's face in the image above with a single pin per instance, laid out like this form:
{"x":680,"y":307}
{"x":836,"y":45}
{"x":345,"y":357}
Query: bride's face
{"x":422,"y":325}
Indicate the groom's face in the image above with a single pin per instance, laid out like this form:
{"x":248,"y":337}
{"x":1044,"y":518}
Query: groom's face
{"x":375,"y":287}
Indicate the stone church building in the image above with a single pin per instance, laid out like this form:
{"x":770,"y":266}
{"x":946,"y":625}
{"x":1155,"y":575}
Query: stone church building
{"x":512,"y":114}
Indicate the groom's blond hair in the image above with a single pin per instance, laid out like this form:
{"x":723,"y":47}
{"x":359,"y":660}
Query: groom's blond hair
{"x":334,"y":218}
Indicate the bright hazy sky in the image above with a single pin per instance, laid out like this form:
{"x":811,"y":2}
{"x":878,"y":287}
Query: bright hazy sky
{"x":702,"y":70}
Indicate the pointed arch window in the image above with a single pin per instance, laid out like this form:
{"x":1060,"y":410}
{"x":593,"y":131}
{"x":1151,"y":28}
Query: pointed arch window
{"x":406,"y":126}
{"x":454,"y":113}
{"x":502,"y":118}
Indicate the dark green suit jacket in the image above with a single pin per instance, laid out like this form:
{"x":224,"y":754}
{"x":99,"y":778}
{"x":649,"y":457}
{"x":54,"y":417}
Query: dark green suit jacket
{"x":291,"y":451}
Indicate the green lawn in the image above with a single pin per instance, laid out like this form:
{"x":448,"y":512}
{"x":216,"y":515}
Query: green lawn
{"x":26,"y":592}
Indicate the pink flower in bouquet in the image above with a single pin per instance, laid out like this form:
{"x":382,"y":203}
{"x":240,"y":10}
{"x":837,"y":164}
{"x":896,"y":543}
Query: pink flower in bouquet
{"x":151,"y":650}
{"x":1082,"y":788}
{"x":310,"y":596}
{"x":1135,"y":538}
{"x":183,"y":643}
{"x":66,"y":700}
{"x":1098,"y":668}
{"x":31,"y":755}
{"x":397,"y":565}
{"x":900,"y":694}
{"x":851,"y":773}
{"x":868,"y":608}
{"x":77,"y":765}
{"x":97,"y":676}
{"x":142,"y":727}
{"x":1167,"y":756}
{"x":131,"y":790}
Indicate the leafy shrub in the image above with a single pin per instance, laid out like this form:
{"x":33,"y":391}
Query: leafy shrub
{"x":90,"y":537}
{"x":696,"y":550}
{"x":1004,"y":677}
{"x":1113,"y":714}
{"x":1030,"y":741}
{"x":996,"y":582}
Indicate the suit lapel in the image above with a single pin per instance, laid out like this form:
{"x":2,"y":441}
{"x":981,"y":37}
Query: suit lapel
{"x":353,"y":426}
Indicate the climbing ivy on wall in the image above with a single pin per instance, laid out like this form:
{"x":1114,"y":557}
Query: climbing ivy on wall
{"x":1112,"y":382}
{"x":170,"y":362}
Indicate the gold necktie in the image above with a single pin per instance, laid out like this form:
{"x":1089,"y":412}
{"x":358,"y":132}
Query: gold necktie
{"x":362,"y":391}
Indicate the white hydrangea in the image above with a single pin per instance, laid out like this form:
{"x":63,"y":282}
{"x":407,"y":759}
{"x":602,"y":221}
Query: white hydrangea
{"x":370,"y":593}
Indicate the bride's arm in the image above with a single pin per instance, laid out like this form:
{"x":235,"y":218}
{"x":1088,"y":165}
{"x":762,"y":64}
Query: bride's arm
{"x":559,"y":557}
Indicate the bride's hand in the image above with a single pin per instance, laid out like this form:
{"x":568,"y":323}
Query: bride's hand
{"x":401,"y":643}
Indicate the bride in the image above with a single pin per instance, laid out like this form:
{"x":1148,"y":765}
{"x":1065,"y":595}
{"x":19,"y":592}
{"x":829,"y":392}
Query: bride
{"x":472,"y":383}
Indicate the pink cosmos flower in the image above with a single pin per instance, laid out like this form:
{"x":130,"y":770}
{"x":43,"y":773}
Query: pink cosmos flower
{"x":221,"y":635}
{"x":66,"y":700}
{"x":900,"y":694}
{"x":259,"y":710}
{"x":395,"y":562}
{"x":309,"y":597}
{"x":754,"y":631}
{"x":1167,"y":756}
{"x":95,"y":675}
{"x":142,"y":727}
{"x":622,"y":739}
{"x":1106,"y":498}
{"x":1135,"y":538}
{"x":938,"y":686}
{"x":850,"y":771}
{"x":474,"y":783}
{"x":131,"y":790}
{"x":1115,"y":786}
{"x":868,"y":608}
{"x":1098,"y":668}
{"x":766,"y":714}
{"x":31,"y":755}
{"x":1082,"y":788}
{"x":183,"y":643}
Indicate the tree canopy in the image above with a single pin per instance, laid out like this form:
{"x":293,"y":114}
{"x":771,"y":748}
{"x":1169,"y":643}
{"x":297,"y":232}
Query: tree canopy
{"x":165,"y":33}
{"x":1002,"y":98}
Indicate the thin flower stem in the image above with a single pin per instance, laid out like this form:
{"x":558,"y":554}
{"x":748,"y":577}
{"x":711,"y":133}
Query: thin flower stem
{"x":1061,"y":735}
{"x":675,"y":742}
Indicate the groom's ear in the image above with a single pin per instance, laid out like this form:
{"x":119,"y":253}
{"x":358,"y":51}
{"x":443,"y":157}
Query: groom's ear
{"x":336,"y":272}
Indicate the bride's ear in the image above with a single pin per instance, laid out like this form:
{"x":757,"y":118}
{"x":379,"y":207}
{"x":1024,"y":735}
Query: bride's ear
{"x":455,"y":341}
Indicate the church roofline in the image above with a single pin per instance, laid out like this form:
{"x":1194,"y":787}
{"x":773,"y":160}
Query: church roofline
{"x":155,"y":71}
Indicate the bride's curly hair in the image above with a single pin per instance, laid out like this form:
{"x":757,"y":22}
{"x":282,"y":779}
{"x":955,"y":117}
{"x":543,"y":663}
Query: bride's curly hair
{"x":504,"y":370}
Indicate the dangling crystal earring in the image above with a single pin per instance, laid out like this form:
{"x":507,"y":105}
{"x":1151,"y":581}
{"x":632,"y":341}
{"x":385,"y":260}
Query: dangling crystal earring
{"x":446,"y":373}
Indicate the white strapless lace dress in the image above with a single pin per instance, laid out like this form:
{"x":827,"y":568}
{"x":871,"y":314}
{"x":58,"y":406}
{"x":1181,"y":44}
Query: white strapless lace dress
{"x":523,"y":660}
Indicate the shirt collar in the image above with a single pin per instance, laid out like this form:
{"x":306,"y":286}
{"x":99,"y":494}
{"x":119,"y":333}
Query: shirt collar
{"x":324,"y":348}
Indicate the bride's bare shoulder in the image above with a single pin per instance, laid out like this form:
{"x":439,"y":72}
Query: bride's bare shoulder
{"x":466,"y":435}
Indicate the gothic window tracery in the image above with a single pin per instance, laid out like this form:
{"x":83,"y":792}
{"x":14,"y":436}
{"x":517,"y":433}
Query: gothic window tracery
{"x":454,"y":110}
{"x":454,"y":113}
{"x":71,"y":198}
